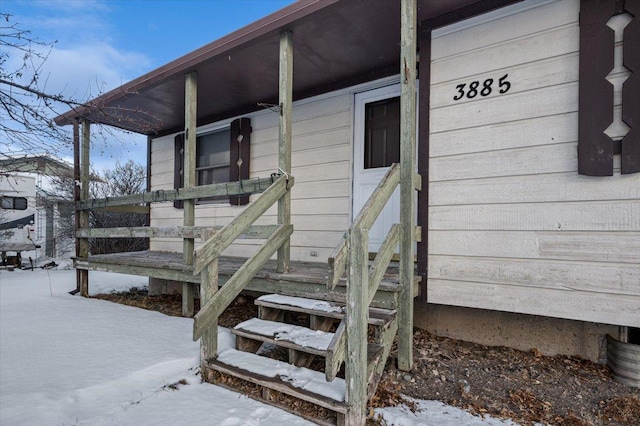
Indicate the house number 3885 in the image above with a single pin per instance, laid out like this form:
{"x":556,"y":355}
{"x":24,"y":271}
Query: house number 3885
{"x":485,"y":88}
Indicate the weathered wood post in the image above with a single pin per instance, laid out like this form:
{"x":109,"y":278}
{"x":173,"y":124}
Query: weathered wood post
{"x":208,"y":287}
{"x":356,"y":318}
{"x":83,"y":215}
{"x":284,"y":140}
{"x":408,"y":47}
{"x":190,"y":103}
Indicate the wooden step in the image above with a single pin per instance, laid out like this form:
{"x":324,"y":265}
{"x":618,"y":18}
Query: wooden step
{"x":289,"y":336}
{"x":299,"y":340}
{"x":302,"y":383}
{"x":322,"y":308}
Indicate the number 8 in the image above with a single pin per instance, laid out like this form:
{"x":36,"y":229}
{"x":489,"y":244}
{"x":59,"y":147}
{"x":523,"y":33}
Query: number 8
{"x":486,"y":87}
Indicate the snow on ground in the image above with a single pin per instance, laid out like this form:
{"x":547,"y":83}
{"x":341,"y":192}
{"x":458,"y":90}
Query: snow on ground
{"x":67,"y":360}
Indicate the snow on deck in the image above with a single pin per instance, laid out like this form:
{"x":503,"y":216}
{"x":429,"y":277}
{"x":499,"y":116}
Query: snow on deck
{"x":301,"y":336}
{"x":300,"y":302}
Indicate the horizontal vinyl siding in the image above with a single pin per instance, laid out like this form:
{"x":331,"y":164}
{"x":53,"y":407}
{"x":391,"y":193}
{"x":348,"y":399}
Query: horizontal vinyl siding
{"x":512,"y":226}
{"x":321,"y":161}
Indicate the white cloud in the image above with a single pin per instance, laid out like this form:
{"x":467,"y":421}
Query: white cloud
{"x":83,"y":63}
{"x":89,"y":70}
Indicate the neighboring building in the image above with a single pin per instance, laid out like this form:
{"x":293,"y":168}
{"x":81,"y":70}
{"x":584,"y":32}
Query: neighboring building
{"x":30,"y":215}
{"x":17,"y":219}
{"x":530,"y":158}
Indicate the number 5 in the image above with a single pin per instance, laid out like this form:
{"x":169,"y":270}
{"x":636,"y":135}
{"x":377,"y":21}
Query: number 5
{"x":504,"y":85}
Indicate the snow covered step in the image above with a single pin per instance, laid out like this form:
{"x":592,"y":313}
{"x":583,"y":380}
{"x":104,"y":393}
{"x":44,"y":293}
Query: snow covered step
{"x":319,"y":308}
{"x":302,"y":383}
{"x":289,"y":336}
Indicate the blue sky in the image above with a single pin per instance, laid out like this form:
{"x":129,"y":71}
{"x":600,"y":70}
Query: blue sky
{"x":104,"y":43}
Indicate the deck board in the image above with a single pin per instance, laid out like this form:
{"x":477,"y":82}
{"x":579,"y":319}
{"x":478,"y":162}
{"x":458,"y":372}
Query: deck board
{"x":305,"y":279}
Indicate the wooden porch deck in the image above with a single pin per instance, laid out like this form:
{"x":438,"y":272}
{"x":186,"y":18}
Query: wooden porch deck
{"x":305,"y":279}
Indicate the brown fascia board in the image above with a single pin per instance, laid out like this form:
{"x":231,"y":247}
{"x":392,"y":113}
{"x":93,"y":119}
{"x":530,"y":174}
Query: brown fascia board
{"x":277,"y":21}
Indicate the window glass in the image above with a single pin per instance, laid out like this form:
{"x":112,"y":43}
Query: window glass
{"x":14,"y":203}
{"x":212,"y":160}
{"x":382,"y":133}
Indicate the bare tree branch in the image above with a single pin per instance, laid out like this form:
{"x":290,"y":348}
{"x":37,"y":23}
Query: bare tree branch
{"x":27,"y":108}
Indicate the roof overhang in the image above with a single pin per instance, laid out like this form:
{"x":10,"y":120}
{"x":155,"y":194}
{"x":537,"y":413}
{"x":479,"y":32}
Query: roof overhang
{"x":337,"y":43}
{"x":40,"y":164}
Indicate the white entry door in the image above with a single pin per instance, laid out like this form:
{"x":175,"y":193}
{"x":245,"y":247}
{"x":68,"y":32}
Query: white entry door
{"x":376,"y":147}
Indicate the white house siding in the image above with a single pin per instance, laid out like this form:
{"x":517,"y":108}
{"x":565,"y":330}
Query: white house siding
{"x":512,"y":226}
{"x":321,"y":160}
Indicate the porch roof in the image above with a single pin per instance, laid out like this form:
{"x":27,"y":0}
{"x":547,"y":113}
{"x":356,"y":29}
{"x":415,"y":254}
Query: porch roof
{"x":337,"y":43}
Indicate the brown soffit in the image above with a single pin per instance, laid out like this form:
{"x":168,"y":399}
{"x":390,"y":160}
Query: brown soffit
{"x":274,"y":22}
{"x":337,"y":43}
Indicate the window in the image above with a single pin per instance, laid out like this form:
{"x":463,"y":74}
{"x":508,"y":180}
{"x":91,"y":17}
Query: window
{"x":212,"y":160}
{"x":221,"y":156}
{"x":382,"y":133}
{"x":14,"y":203}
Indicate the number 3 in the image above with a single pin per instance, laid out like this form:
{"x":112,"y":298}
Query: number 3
{"x":460,"y":94}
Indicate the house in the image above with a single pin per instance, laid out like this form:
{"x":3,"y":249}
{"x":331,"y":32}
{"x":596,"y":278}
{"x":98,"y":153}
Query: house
{"x":526,"y":185}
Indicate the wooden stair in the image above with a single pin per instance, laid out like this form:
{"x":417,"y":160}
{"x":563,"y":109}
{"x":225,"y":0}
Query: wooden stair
{"x":258,"y":337}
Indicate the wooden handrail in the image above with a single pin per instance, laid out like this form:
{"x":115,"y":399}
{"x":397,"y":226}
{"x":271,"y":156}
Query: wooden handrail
{"x":252,"y":232}
{"x":365,"y":220}
{"x":214,"y":246}
{"x":210,"y":312}
{"x":336,"y":351}
{"x":242,"y":187}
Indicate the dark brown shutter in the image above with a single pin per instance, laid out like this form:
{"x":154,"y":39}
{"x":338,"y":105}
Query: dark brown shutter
{"x":595,"y":149}
{"x":178,"y":167}
{"x":239,"y":153}
{"x":630,"y":161}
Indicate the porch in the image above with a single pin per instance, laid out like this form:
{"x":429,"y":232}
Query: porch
{"x":374,"y":299}
{"x":304,"y":279}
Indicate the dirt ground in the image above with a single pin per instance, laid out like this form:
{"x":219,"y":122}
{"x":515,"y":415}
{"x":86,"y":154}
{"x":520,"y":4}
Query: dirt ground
{"x":523,"y":386}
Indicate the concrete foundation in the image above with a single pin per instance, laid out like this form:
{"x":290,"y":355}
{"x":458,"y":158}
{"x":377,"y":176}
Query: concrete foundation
{"x":550,"y":336}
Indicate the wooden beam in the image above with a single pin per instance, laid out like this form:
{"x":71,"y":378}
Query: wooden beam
{"x":337,"y":263}
{"x":76,"y":194}
{"x":208,"y":287}
{"x":374,"y":205}
{"x":223,"y":297}
{"x":284,"y":140}
{"x":243,"y":187}
{"x":381,"y":262}
{"x":336,"y":352}
{"x":83,"y":216}
{"x":356,"y":319}
{"x":189,"y":170}
{"x":144,"y":271}
{"x":214,"y":246}
{"x":254,"y":232}
{"x":408,"y":48}
{"x":190,"y":103}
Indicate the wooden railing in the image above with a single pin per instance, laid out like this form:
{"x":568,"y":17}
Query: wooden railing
{"x":215,"y":241}
{"x":215,"y":301}
{"x":365,"y":220}
{"x":215,"y":238}
{"x":362,"y":283}
{"x":242,"y":187}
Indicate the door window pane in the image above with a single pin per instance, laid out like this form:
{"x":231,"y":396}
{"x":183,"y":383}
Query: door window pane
{"x":382,"y":133}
